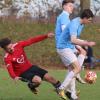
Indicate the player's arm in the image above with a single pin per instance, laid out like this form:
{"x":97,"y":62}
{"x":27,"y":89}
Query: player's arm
{"x":36,"y":39}
{"x":75,"y":40}
{"x":81,"y":42}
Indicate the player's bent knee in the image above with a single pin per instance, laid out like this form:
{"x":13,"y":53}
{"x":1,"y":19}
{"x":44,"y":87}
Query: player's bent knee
{"x":36,"y":80}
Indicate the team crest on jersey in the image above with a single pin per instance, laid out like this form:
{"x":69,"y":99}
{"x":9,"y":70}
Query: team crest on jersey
{"x":20,"y":60}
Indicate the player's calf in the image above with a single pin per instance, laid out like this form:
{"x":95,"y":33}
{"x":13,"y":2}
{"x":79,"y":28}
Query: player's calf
{"x":52,"y":80}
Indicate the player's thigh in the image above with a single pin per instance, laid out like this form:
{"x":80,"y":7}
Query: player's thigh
{"x":40,"y":72}
{"x":67,"y":56}
{"x":34,"y":74}
{"x":76,"y":66}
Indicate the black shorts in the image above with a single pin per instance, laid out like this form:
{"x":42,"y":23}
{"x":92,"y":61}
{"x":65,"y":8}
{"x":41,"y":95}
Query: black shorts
{"x":34,"y":70}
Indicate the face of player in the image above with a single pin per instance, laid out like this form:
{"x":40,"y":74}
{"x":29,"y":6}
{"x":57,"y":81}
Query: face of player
{"x":9,"y":48}
{"x":87,"y":20}
{"x":69,"y":7}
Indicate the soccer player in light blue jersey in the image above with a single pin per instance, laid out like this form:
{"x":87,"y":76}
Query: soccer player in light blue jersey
{"x":66,"y":47}
{"x":62,"y":22}
{"x":63,"y":19}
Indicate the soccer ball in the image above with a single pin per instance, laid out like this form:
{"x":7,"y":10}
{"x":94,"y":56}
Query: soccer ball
{"x":90,"y":77}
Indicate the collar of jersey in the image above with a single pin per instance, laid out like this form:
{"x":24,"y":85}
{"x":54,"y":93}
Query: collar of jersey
{"x":66,"y":12}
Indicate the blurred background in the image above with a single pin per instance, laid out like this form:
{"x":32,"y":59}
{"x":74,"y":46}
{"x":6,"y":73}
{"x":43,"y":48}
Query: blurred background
{"x":20,"y":19}
{"x":43,"y":9}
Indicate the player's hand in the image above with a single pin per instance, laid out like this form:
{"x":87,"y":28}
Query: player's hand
{"x":17,"y":79}
{"x":50,"y":35}
{"x":80,"y":50}
{"x":91,"y":44}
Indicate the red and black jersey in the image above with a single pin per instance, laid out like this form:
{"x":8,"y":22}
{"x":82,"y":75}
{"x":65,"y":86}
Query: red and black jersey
{"x":17,"y":62}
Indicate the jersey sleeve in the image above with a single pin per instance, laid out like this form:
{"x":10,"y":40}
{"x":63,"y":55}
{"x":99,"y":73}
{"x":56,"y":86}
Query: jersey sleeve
{"x":32,"y":40}
{"x":73,"y":28}
{"x":10,"y":68}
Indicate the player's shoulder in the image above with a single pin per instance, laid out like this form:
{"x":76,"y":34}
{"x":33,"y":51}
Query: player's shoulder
{"x":63,"y":15}
{"x":6,"y":55}
{"x":76,"y":20}
{"x":7,"y":58}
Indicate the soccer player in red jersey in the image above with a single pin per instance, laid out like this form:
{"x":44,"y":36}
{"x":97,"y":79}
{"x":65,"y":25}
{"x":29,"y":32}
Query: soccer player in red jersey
{"x":20,"y":68}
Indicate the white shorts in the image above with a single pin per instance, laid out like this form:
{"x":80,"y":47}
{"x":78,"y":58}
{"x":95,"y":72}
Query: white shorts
{"x":67,"y":55}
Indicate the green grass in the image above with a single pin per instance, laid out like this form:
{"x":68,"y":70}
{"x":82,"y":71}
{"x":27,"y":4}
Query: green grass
{"x":19,"y":91}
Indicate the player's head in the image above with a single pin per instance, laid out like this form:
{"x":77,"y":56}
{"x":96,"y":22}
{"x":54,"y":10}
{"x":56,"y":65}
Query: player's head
{"x":87,"y":16}
{"x":6,"y":44}
{"x":68,"y":5}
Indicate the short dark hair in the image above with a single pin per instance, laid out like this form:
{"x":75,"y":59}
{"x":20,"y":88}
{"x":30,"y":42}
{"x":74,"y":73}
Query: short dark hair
{"x":4,"y":42}
{"x":87,"y":13}
{"x":67,"y":1}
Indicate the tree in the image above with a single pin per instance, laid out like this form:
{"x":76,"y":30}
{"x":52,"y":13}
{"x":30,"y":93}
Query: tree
{"x":85,"y":4}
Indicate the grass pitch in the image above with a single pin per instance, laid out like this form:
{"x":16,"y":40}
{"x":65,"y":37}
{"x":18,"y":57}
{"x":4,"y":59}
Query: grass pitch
{"x":9,"y":90}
